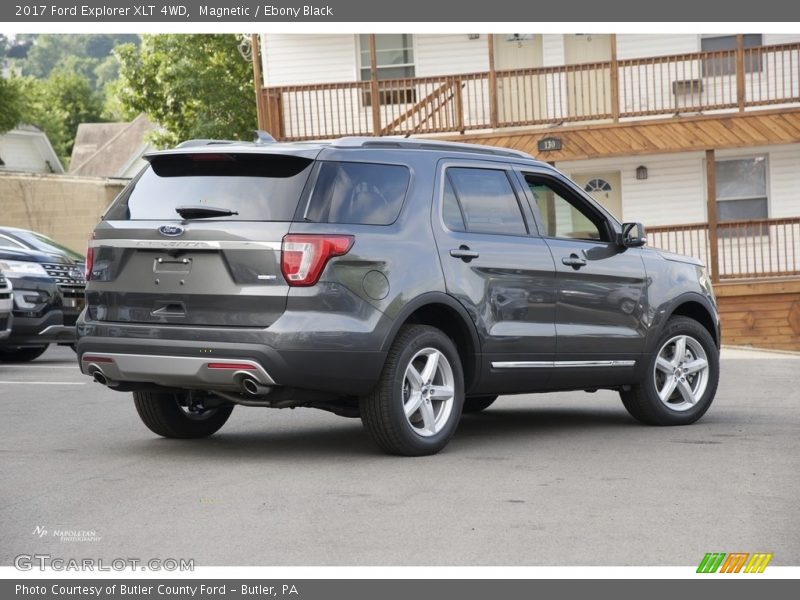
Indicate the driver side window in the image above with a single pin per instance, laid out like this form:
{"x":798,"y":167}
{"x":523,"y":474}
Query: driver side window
{"x":562,"y":215}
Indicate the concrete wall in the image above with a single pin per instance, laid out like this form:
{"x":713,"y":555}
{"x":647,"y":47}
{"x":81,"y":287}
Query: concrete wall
{"x":62,"y":207}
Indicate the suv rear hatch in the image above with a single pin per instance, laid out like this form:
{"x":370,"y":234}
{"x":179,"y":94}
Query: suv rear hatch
{"x":217,"y":265}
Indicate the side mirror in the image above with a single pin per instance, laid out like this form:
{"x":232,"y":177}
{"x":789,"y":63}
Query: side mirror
{"x":633,"y":235}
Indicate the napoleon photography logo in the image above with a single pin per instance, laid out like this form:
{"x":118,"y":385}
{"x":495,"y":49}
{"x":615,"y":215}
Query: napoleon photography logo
{"x":67,"y":535}
{"x":735,"y":562}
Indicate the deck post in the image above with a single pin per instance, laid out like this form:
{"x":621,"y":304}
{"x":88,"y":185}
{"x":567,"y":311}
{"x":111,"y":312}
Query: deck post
{"x":711,"y":202}
{"x":614,"y":79}
{"x":258,"y":84}
{"x":740,"y":95}
{"x":493,"y":120}
{"x":373,"y":80}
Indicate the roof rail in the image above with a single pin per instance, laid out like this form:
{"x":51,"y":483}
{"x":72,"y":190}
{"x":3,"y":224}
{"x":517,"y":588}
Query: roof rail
{"x":421,"y":144}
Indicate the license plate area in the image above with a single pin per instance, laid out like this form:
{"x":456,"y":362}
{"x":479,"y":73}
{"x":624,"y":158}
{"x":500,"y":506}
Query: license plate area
{"x":178,"y":266}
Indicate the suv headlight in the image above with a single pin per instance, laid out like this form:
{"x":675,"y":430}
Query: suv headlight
{"x":705,"y":281}
{"x":20,"y":269}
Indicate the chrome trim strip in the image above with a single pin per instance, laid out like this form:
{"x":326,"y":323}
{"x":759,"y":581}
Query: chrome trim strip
{"x":186,"y":371}
{"x":523,"y":364}
{"x":185,"y":244}
{"x":559,"y":364}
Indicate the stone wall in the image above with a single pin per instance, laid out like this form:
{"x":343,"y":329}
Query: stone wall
{"x":62,"y":207}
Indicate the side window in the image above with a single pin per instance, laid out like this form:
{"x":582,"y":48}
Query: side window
{"x":358,"y":193}
{"x":562,"y":215}
{"x":451,"y":211}
{"x":487,"y":201}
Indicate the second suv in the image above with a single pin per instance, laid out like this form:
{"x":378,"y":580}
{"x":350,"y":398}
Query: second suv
{"x":402,"y":281}
{"x":47,"y":298}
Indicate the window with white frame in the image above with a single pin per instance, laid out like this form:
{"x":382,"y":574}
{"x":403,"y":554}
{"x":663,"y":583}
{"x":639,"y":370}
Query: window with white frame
{"x":394,"y":54}
{"x":742,"y":193}
{"x":725,"y":64}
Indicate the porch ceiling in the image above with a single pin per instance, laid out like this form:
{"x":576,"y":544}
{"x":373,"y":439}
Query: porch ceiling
{"x":654,"y":136}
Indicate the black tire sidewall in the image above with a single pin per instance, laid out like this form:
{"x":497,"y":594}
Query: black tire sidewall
{"x":689,"y":327}
{"x":430,"y":338}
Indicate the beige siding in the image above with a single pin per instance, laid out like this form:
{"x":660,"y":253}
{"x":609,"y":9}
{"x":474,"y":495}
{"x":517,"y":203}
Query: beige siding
{"x":673,"y":193}
{"x":19,"y":153}
{"x":449,"y":54}
{"x":292,"y":59}
{"x":641,"y":45}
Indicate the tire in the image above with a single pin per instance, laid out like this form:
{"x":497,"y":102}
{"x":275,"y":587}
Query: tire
{"x":164,"y":415}
{"x":22,"y":354}
{"x":434,"y":398}
{"x":474,"y":404}
{"x":688,"y":393}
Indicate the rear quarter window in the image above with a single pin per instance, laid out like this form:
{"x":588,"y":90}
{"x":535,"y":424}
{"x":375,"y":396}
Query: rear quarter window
{"x":357,"y":193}
{"x":259,"y":187}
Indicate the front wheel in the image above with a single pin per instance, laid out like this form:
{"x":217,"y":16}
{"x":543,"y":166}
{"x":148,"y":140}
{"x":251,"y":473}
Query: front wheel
{"x":415,"y":407}
{"x":175,"y":416}
{"x":681,"y":377}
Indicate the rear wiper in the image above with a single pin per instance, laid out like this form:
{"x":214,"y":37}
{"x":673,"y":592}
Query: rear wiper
{"x":200,"y":211}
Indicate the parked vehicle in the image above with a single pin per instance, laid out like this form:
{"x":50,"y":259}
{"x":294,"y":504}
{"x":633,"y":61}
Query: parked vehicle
{"x":6,"y":304}
{"x":402,"y":281}
{"x":47,"y":298}
{"x":15,"y":238}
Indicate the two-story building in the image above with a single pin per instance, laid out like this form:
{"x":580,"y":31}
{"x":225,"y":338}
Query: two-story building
{"x":696,"y":136}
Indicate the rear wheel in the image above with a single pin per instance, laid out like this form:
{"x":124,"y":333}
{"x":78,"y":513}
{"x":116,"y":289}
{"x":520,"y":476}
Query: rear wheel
{"x":16,"y":354}
{"x":415,"y":407}
{"x":681,"y":378}
{"x":174,"y":416}
{"x":473,"y":404}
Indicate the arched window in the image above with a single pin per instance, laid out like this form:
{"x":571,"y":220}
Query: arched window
{"x":597,"y":185}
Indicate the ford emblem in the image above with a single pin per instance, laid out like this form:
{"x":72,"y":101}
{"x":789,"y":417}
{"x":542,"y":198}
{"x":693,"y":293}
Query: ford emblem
{"x":170,"y":230}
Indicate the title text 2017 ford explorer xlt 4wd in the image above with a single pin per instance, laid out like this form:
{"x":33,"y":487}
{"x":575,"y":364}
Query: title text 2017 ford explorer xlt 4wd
{"x":402,"y":281}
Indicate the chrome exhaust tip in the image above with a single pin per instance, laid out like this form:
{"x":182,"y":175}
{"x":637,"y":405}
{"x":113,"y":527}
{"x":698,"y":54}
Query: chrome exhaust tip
{"x":99,"y":377}
{"x":253,"y":387}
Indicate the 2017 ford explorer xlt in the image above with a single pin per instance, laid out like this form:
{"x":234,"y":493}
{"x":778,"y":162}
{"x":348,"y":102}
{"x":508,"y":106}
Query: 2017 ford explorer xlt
{"x":402,"y":281}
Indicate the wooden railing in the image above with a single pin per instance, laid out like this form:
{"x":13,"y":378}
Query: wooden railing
{"x":727,"y":80}
{"x":745,"y":249}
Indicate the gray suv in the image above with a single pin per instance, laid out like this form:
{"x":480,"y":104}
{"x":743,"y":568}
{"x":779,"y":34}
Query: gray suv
{"x":404,"y":282}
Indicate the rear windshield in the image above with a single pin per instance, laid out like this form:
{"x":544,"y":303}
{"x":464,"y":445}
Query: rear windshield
{"x":358,"y":193}
{"x":257,"y":187}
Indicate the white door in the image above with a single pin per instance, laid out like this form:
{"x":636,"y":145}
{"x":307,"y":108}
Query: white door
{"x":603,"y":187}
{"x":588,"y":89}
{"x":520,"y":94}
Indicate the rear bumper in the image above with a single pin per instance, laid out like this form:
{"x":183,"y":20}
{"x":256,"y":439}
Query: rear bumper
{"x":47,"y":329}
{"x":185,"y":364}
{"x":173,"y":371}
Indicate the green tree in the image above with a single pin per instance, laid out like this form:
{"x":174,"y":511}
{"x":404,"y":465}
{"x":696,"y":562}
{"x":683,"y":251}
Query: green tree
{"x":10,"y":104}
{"x":58,"y":104}
{"x":193,"y":86}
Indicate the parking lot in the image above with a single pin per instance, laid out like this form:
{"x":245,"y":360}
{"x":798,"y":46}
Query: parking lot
{"x":535,"y":480}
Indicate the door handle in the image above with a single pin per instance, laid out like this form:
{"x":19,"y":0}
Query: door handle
{"x":574,"y":261}
{"x":464,"y":253}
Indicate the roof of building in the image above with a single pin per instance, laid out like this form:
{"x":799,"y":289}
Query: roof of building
{"x":28,"y":149}
{"x":109,"y":149}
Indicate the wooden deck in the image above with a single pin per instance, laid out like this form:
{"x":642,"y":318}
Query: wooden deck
{"x":762,"y":314}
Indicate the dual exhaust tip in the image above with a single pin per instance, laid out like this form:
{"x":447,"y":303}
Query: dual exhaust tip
{"x":248,"y":384}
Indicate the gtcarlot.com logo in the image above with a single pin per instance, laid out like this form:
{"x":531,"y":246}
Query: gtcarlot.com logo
{"x":735,"y":562}
{"x":42,"y":562}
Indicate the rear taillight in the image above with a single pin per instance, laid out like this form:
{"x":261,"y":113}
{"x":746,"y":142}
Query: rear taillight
{"x":89,"y":258}
{"x":303,"y":257}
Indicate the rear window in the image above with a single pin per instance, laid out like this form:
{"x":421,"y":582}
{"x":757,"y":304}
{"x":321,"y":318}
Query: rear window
{"x":258,"y":187}
{"x":358,"y":193}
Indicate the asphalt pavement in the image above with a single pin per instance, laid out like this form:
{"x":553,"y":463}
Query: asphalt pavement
{"x":554,"y":479}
